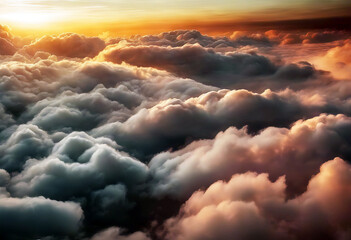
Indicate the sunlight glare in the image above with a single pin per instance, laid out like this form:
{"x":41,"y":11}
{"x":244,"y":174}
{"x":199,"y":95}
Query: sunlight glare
{"x":27,"y":18}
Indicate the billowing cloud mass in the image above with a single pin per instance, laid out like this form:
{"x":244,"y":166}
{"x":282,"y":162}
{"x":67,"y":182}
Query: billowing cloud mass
{"x":296,"y":153}
{"x":114,"y":233}
{"x":228,"y":70}
{"x":67,"y":45}
{"x":337,"y":60}
{"x":31,"y":217}
{"x":6,"y":47}
{"x":250,"y":206}
{"x":173,"y":136}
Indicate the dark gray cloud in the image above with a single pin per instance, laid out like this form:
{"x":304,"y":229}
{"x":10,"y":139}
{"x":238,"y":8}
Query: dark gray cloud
{"x":27,"y":141}
{"x":95,"y":168}
{"x":110,"y":202}
{"x":33,"y":217}
{"x":4,"y":177}
{"x":229,"y":70}
{"x":6,"y":120}
{"x":191,"y":61}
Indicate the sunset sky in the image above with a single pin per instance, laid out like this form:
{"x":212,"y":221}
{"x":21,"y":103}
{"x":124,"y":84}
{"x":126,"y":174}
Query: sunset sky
{"x":67,"y":15}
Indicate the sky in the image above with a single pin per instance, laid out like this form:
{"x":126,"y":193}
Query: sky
{"x":47,"y":15}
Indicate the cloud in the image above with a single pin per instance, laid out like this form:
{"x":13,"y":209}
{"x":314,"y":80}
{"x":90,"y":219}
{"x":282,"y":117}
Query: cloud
{"x":4,"y":177}
{"x":255,"y":39}
{"x":6,"y":41}
{"x":251,"y":206}
{"x":229,"y":70}
{"x":67,"y":45}
{"x":298,"y":37}
{"x":95,"y":167}
{"x":88,"y":171}
{"x":296,"y":153}
{"x":71,"y":148}
{"x":114,"y":233}
{"x":180,"y":38}
{"x":109,"y":202}
{"x":337,"y":60}
{"x":236,"y":211}
{"x":61,"y":118}
{"x":36,"y":217}
{"x":188,"y":60}
{"x":6,"y":119}
{"x":27,"y":141}
{"x":162,"y":126}
{"x":324,"y":37}
{"x":5,"y":32}
{"x":6,"y":47}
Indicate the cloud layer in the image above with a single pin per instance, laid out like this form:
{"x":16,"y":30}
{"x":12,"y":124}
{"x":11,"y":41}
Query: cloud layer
{"x":175,"y":136}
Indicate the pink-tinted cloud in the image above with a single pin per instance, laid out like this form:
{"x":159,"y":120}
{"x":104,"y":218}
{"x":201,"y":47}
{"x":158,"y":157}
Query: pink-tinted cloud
{"x":67,"y":45}
{"x":296,"y":153}
{"x":250,"y":206}
{"x":337,"y":60}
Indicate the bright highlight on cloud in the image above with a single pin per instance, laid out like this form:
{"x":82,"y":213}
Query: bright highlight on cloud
{"x":178,"y":135}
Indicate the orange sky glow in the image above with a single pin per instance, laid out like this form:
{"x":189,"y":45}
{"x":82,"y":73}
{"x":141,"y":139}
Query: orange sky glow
{"x":38,"y":17}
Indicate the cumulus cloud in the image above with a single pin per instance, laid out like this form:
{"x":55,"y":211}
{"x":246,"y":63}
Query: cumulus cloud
{"x":33,"y":217}
{"x":298,"y":37}
{"x":162,"y":126}
{"x":297,"y":153}
{"x":67,"y":45}
{"x":6,"y":47}
{"x":188,"y":60}
{"x":337,"y":60}
{"x":4,"y":177}
{"x":6,"y":41}
{"x":6,"y":119}
{"x":27,"y":141}
{"x":185,"y":37}
{"x":86,"y":170}
{"x":250,"y":206}
{"x":5,"y":32}
{"x":229,"y":70}
{"x":114,"y":233}
{"x":109,"y":202}
{"x":98,"y":166}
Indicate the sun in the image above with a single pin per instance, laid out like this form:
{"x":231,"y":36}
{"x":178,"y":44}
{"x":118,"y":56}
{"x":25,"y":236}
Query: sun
{"x":29,"y":18}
